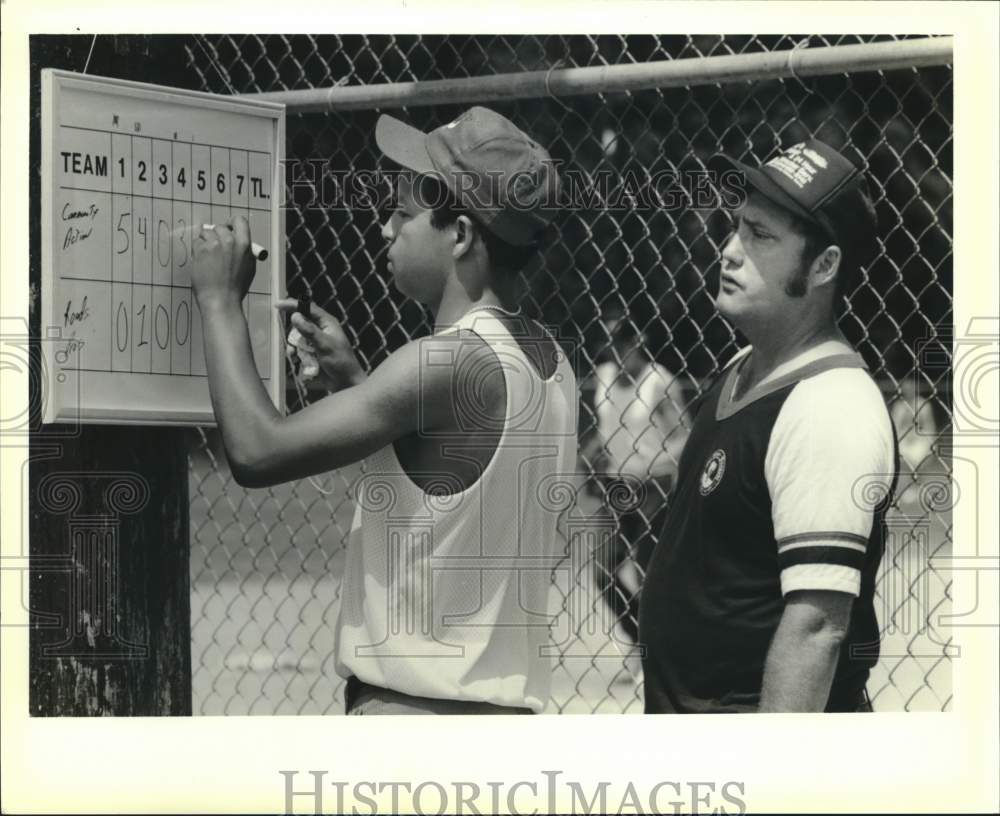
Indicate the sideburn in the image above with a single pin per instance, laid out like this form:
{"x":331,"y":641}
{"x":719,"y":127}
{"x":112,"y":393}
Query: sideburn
{"x":798,"y":285}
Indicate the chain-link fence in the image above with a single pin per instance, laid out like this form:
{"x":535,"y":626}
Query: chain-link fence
{"x":633,"y":284}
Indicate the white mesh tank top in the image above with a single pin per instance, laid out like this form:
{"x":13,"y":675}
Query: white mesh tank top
{"x":446,"y":596}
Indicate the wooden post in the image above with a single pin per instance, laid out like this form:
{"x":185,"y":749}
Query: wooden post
{"x":110,"y":586}
{"x":109,"y":526}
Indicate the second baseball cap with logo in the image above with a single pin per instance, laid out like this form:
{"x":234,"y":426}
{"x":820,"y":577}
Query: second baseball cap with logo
{"x":505,"y":179}
{"x":819,"y":185}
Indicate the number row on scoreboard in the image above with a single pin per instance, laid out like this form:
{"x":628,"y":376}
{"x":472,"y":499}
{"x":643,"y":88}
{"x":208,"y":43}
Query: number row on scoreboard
{"x":153,"y":240}
{"x":153,"y":329}
{"x":160,"y":168}
{"x":132,"y":239}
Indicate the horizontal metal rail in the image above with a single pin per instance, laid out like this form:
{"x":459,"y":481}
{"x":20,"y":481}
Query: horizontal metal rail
{"x":790,"y":63}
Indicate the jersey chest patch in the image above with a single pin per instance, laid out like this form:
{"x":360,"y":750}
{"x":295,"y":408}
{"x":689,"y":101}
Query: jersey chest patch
{"x":712,"y":473}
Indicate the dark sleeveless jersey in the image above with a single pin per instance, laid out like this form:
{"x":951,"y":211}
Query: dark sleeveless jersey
{"x":774,"y":494}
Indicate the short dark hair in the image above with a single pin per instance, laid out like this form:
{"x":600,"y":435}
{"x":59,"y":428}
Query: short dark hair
{"x":850,"y":213}
{"x":505,"y":259}
{"x":816,"y":240}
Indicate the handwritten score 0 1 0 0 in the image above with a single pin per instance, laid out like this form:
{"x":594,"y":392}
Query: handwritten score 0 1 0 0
{"x":127,"y":170}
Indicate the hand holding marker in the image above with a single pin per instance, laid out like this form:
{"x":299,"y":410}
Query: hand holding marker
{"x":308,"y":364}
{"x":329,"y":362}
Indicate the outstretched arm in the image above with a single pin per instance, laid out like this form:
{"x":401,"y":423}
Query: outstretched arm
{"x":266,"y":448}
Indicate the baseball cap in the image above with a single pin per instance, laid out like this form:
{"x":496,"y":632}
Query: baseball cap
{"x":817,"y":183}
{"x":505,"y":179}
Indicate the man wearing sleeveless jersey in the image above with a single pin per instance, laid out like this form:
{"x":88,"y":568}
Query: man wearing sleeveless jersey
{"x":759,"y":595}
{"x":462,"y":433}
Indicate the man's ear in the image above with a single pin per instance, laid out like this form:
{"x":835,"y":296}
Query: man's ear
{"x":465,"y":236}
{"x":825,"y":266}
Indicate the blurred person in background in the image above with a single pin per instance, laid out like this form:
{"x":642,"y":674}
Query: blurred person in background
{"x":641,"y":424}
{"x":915,"y":418}
{"x":913,"y":415}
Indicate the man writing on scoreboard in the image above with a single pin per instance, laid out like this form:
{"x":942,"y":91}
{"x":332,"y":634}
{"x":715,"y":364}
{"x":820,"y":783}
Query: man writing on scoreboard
{"x":759,"y":596}
{"x":459,"y":431}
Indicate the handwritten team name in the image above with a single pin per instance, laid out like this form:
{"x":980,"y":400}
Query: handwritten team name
{"x":90,"y":212}
{"x":73,"y":232}
{"x":70,"y":316}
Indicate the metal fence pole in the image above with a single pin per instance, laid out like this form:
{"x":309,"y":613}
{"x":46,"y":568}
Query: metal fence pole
{"x":791,"y":63}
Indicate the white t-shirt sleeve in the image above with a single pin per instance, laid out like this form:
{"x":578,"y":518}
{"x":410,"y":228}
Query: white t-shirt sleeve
{"x":829,"y":462}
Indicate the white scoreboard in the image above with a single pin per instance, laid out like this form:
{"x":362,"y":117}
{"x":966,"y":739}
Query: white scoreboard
{"x":127,"y":169}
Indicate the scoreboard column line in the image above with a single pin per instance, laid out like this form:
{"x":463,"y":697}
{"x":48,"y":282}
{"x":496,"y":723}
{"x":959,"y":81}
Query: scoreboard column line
{"x":172,"y":332}
{"x":153,"y":250}
{"x":131,"y":252}
{"x":131,"y":249}
{"x":232,"y":218}
{"x":193,"y":233}
{"x":111,"y":259}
